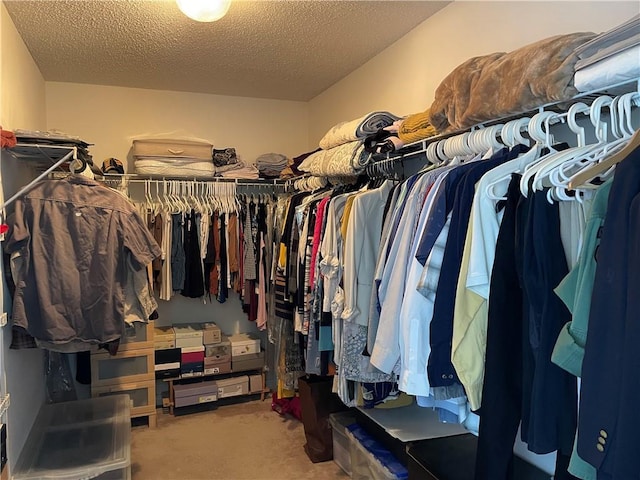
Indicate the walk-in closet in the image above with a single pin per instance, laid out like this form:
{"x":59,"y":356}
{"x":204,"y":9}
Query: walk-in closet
{"x":276,"y":240}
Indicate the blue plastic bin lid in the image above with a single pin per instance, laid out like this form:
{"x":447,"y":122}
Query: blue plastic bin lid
{"x":375,"y":448}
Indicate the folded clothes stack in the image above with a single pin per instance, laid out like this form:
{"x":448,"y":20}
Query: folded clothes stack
{"x":271,"y":165}
{"x":60,"y":139}
{"x":238,"y":170}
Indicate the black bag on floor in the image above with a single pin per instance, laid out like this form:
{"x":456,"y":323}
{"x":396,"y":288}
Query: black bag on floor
{"x":317,"y":403}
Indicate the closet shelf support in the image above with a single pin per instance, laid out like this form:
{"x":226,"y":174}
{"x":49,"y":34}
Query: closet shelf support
{"x":25,"y":189}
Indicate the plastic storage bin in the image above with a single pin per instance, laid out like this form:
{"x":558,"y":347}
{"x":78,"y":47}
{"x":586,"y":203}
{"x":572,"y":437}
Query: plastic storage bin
{"x":341,"y":444}
{"x":79,"y":440}
{"x":370,"y":460}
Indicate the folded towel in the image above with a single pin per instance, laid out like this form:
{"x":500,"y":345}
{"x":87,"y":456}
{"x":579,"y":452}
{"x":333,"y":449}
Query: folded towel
{"x":416,"y":127}
{"x":353,"y":130}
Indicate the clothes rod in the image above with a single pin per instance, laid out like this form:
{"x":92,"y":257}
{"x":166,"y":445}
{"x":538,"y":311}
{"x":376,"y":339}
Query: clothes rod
{"x":239,"y":182}
{"x":134,"y":178}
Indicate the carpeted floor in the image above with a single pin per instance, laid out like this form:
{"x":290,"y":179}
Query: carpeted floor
{"x":245,"y":441}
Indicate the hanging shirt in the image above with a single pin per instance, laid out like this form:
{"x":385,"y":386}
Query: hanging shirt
{"x":360,"y":250}
{"x":177,"y":252}
{"x":386,"y":351}
{"x":73,"y":236}
{"x":193,"y":277}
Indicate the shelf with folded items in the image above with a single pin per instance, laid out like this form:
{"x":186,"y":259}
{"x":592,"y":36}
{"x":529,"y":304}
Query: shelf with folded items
{"x":415,"y":149}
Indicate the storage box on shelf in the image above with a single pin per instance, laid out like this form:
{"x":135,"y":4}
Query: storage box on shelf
{"x":230,"y":381}
{"x":196,"y":393}
{"x":131,"y":371}
{"x":211,"y":334}
{"x":188,"y":336}
{"x":244,"y":343}
{"x":80,"y":439}
{"x":167,"y":363}
{"x":192,"y":361}
{"x":164,"y":338}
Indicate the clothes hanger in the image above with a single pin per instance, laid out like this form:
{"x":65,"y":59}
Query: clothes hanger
{"x":543,"y":139}
{"x":627,"y":145}
{"x":603,"y":148}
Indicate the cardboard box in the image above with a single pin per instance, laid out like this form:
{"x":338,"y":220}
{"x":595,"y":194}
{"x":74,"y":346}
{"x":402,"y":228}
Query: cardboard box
{"x":217,"y":369}
{"x":195,"y":393}
{"x":192,"y":354}
{"x":243,"y":344}
{"x":168,"y":355}
{"x":211,"y":334}
{"x":167,"y":370}
{"x":188,"y":336}
{"x":231,"y":387}
{"x":255,"y":383}
{"x":164,"y":338}
{"x":215,"y":361}
{"x":191,"y":369}
{"x":221,"y":350}
{"x":252,"y":361}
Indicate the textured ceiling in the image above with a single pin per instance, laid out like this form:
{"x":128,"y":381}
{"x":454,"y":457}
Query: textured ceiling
{"x":290,"y":50}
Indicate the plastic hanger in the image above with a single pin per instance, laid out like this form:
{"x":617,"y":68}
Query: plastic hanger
{"x":543,"y":139}
{"x":626,"y":144}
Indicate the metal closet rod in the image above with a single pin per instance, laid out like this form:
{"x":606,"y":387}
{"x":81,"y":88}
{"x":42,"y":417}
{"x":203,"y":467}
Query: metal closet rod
{"x":133,"y":178}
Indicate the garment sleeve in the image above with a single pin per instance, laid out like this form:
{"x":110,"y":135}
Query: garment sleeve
{"x":352,"y":258}
{"x":138,"y":240}
{"x":19,"y":233}
{"x":469,"y":341}
{"x":386,"y":351}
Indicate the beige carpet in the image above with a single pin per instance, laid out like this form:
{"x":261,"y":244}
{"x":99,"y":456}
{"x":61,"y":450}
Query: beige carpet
{"x":245,"y":441}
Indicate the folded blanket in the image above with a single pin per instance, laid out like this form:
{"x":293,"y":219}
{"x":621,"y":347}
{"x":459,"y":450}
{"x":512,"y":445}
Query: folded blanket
{"x":503,"y":84}
{"x":347,"y":159}
{"x":416,"y":127}
{"x":173,"y":167}
{"x":296,"y":161}
{"x":248,"y":172}
{"x":353,"y":130}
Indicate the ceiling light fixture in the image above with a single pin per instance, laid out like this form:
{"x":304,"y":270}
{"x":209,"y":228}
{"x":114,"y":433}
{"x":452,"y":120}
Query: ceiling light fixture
{"x":204,"y":10}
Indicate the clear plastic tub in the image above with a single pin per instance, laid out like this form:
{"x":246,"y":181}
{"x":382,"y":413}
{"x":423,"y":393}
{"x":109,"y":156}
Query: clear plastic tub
{"x":370,"y":460}
{"x":79,"y":440}
{"x":341,"y":443}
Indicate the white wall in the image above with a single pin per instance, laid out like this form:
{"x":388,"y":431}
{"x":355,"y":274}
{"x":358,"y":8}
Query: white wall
{"x":22,"y":93}
{"x":403,"y":78}
{"x":109,"y":116}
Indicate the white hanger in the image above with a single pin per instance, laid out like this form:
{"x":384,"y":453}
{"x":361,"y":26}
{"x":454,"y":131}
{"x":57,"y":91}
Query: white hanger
{"x":604,"y":160}
{"x":543,"y":139}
